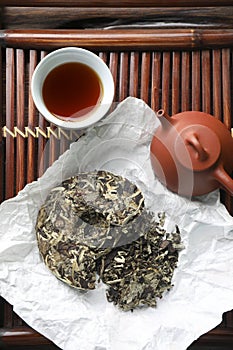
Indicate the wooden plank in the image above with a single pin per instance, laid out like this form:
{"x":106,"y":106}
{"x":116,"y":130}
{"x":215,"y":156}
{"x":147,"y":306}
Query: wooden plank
{"x":228,"y":318}
{"x":42,"y":153}
{"x":120,"y":3}
{"x":134,"y":72}
{"x":175,"y":93}
{"x":156,"y":81}
{"x":22,"y":336}
{"x":8,"y":315}
{"x":206,"y":82}
{"x":141,"y":39}
{"x":52,"y":147}
{"x":196,"y":81}
{"x":10,"y":118}
{"x":145,"y":77}
{"x":113,"y":66}
{"x":226,"y":86}
{"x":217,"y":337}
{"x":31,"y":159}
{"x":227,"y":103}
{"x":185,"y":81}
{"x":123,"y":75}
{"x":20,"y":142}
{"x":166,"y":76}
{"x":116,"y":17}
{"x":217,"y":84}
{"x":1,"y":17}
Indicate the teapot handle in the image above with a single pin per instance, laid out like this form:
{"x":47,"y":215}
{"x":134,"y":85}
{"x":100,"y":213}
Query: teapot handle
{"x":224,"y":179}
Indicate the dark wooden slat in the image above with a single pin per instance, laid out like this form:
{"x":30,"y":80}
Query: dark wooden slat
{"x":8,"y":315}
{"x":217,"y":84}
{"x":123,"y":76}
{"x":218,"y":337}
{"x":113,"y":66}
{"x":10,"y":119}
{"x":206,"y":82}
{"x":1,"y":17}
{"x":175,"y":98}
{"x":134,"y":71}
{"x":141,"y":39}
{"x":17,"y":321}
{"x":228,"y":316}
{"x":20,"y":142}
{"x":196,"y":81}
{"x":22,"y":336}
{"x":103,"y":56}
{"x":155,"y":81}
{"x":145,"y":77}
{"x":2,"y":301}
{"x":166,"y":82}
{"x":52,"y":146}
{"x":185,"y":81}
{"x":31,"y":159}
{"x":120,"y":3}
{"x":42,"y":154}
{"x":226,"y":86}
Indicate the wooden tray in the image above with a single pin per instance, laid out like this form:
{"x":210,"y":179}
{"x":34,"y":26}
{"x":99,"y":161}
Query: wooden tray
{"x":177,"y":70}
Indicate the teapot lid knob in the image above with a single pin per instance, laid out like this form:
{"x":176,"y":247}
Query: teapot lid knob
{"x":197,"y":147}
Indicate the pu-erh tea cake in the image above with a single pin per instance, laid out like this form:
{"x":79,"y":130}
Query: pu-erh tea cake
{"x":139,"y":273}
{"x":95,"y":225}
{"x":84,"y":218}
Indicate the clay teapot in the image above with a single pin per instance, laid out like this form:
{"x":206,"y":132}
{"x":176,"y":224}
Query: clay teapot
{"x":192,"y":153}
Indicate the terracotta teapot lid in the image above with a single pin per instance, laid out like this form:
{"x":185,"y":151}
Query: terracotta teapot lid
{"x":197,"y":147}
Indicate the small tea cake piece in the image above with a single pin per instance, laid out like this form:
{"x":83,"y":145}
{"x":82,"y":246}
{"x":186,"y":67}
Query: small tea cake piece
{"x":113,"y":197}
{"x":68,"y":259}
{"x":84,"y":218}
{"x":139,"y":273}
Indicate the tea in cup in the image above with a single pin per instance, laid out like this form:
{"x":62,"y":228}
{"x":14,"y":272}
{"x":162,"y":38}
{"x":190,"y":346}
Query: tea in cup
{"x":72,"y":88}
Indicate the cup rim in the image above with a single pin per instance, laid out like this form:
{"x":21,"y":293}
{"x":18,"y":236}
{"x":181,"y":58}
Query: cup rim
{"x":97,"y":113}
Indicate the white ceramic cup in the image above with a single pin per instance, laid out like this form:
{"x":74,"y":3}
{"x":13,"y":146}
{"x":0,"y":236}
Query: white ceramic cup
{"x":67,"y":55}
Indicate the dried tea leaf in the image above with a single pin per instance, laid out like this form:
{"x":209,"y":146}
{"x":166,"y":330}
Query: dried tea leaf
{"x":140,"y":272}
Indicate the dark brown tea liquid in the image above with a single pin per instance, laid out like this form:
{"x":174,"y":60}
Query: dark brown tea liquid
{"x":71,"y":90}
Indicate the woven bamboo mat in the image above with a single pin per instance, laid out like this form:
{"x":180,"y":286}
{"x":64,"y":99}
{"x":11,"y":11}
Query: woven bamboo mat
{"x":176,"y":70}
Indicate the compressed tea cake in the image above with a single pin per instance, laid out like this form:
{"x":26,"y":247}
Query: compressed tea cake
{"x":96,"y":223}
{"x":139,"y":273}
{"x":84,"y":218}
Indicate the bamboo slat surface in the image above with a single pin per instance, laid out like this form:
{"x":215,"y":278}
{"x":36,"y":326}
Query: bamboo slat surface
{"x":179,"y":70}
{"x":114,"y":3}
{"x":137,"y":39}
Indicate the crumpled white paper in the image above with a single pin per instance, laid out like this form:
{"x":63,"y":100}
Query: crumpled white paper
{"x":203,"y":281}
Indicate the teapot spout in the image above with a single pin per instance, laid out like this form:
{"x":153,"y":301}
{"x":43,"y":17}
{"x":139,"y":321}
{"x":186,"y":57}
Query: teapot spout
{"x":165,"y":120}
{"x":225,"y":181}
{"x":161,"y":113}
